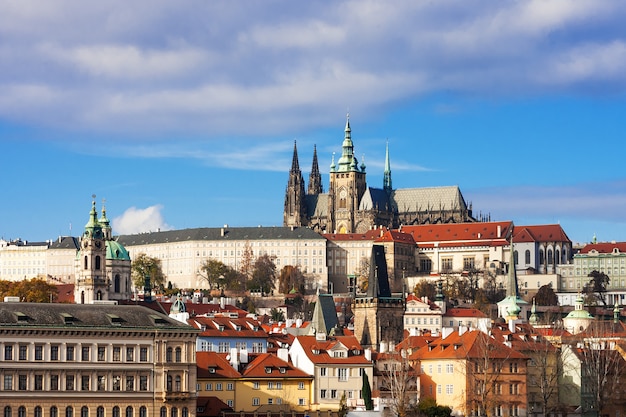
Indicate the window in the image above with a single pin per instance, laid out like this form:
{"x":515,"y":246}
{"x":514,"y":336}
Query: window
{"x":270,"y":401}
{"x":38,"y":412}
{"x":209,"y":386}
{"x":84,"y":354}
{"x":54,"y":382}
{"x":116,"y":411}
{"x":300,"y":385}
{"x":527,"y":257}
{"x":301,"y":401}
{"x":101,"y":382}
{"x":54,"y":412}
{"x":449,"y":389}
{"x":179,"y":354}
{"x":333,"y":393}
{"x":143,"y":412}
{"x":84,"y":411}
{"x":513,"y":367}
{"x":130,"y":383}
{"x":256,"y":401}
{"x":84,"y":383}
{"x":8,"y":382}
{"x":322,"y":371}
{"x":323,"y":393}
{"x":343,"y":374}
{"x":143,"y":383}
{"x":54,"y":353}
{"x":23,"y":352}
{"x":100,"y":411}
{"x":117,"y":382}
{"x":168,"y":354}
{"x":223,"y":347}
{"x":69,"y":353}
{"x":426,"y":265}
{"x":270,"y":385}
{"x":218,"y":386}
{"x":439,"y":368}
{"x":69,"y":382}
{"x":449,"y":368}
{"x":229,"y":386}
{"x":38,"y":382}
{"x":438,"y":388}
{"x":8,"y":353}
{"x":129,"y":411}
{"x":255,"y":385}
{"x":130,"y":354}
{"x":38,"y":352}
{"x":117,"y":353}
{"x":469,"y":263}
{"x":143,"y":354}
{"x":101,"y":353}
{"x":446,"y":264}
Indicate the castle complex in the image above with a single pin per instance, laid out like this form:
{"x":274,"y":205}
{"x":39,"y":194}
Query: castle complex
{"x":351,"y":206}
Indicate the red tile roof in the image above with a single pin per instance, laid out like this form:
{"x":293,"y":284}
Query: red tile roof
{"x":227,"y":327}
{"x":396,"y":236}
{"x":471,"y":344}
{"x":458,"y":233}
{"x":464,"y":312}
{"x":540,"y":233}
{"x":604,"y":247}
{"x":277,"y":367}
{"x":309,"y":344}
{"x":217,"y":362}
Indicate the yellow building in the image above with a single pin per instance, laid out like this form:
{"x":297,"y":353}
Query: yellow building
{"x":95,"y":360}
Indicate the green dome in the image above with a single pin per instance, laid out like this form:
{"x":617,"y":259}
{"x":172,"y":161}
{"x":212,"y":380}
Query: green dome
{"x":579,"y":314}
{"x":116,"y":251}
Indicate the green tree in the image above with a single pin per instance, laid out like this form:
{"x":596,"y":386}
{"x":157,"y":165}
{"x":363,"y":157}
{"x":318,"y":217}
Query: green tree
{"x":143,"y":265}
{"x":343,"y":406}
{"x":277,"y":315}
{"x":246,"y":265}
{"x":597,"y":286}
{"x":366,"y":391}
{"x":264,"y":274}
{"x":546,"y":296}
{"x":213,"y":272}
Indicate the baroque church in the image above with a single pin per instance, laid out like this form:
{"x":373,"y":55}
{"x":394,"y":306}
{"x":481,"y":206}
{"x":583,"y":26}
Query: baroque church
{"x":351,"y":206}
{"x":103,"y":266}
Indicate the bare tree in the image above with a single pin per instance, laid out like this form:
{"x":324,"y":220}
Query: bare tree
{"x":398,"y":380}
{"x":363,"y":274}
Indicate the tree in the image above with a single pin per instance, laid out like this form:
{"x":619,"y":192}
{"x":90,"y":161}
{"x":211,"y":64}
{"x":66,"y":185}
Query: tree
{"x":343,"y":406}
{"x":34,"y":290}
{"x":363,"y":274}
{"x":425,"y":288}
{"x":428,"y":406}
{"x":264,"y":274}
{"x":366,"y":392}
{"x":277,"y":315}
{"x":290,"y":277}
{"x":143,"y":266}
{"x":399,"y":380}
{"x":246,"y":265}
{"x":546,"y":296}
{"x":597,"y":286}
{"x":213,"y":272}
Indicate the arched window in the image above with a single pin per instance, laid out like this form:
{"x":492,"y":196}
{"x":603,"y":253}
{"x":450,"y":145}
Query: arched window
{"x":550,"y":260}
{"x":69,"y":411}
{"x":116,"y":411}
{"x":116,"y":283}
{"x":163,"y":412}
{"x":99,"y":295}
{"x":7,"y":411}
{"x":21,"y":411}
{"x":129,"y":411}
{"x":542,"y":258}
{"x":557,"y":256}
{"x":185,"y":412}
{"x":168,"y":354}
{"x":100,"y":411}
{"x":143,"y":411}
{"x":177,"y":383}
{"x":38,"y":412}
{"x":516,"y":258}
{"x":86,"y":262}
{"x":178,"y":354}
{"x":174,"y":412}
{"x":84,"y":411}
{"x":527,"y":256}
{"x":54,"y":412}
{"x":82,"y":297}
{"x":98,"y":262}
{"x":169,"y":383}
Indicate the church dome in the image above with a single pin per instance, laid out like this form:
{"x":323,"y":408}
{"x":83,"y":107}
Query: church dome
{"x":116,"y":251}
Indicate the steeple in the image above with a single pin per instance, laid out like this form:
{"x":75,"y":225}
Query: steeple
{"x":387,"y":173}
{"x":512,"y":305}
{"x":93,"y":229}
{"x":295,"y":210}
{"x":347,"y":162}
{"x":315,"y":178}
{"x":104,"y":222}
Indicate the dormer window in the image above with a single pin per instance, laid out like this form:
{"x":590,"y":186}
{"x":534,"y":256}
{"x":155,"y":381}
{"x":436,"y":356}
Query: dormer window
{"x":221,"y":327}
{"x":268,"y":369}
{"x":355,"y":352}
{"x":316,"y":351}
{"x":211,"y":370}
{"x":283,"y":370}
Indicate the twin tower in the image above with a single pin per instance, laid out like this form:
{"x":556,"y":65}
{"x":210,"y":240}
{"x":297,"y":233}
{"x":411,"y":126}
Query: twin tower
{"x":350,"y":206}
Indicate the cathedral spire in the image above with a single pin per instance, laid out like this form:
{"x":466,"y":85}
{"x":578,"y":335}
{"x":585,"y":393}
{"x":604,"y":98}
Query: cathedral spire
{"x":315,"y":178}
{"x":347,"y":161}
{"x":295,"y":208}
{"x":295,"y":165}
{"x":387,"y":173}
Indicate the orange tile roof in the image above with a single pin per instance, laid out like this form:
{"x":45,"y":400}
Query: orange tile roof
{"x":464,"y":312}
{"x":485,"y":232}
{"x":604,"y":247}
{"x":396,"y":236}
{"x":278,"y":368}
{"x":216,"y":361}
{"x":540,"y":233}
{"x":240,"y":327}
{"x":309,"y":343}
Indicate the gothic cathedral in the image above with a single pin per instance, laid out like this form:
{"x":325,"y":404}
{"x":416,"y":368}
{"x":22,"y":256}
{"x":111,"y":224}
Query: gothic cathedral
{"x":350,"y":206}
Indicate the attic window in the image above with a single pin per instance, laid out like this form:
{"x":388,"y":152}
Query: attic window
{"x":355,"y":351}
{"x":221,"y":327}
{"x":21,"y":317}
{"x":158,"y":319}
{"x":268,"y":369}
{"x":283,"y":370}
{"x":67,"y":318}
{"x":316,"y":351}
{"x":115,"y":319}
{"x":212,"y":370}
{"x":238,"y":328}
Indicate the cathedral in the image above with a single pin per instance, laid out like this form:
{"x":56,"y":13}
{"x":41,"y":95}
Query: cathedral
{"x":351,"y":206}
{"x":103,"y":265}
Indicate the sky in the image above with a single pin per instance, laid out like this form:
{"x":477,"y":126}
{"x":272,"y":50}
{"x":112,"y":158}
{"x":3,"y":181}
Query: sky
{"x":184,"y":114}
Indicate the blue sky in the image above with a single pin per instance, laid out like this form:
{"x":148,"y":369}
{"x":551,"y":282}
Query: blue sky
{"x":184,"y":114}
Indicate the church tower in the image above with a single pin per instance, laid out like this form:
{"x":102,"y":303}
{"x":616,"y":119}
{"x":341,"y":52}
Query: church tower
{"x":347,"y":186}
{"x":91,"y":283}
{"x":387,"y":174}
{"x":103,"y":266}
{"x":295,"y":209}
{"x":315,"y":178}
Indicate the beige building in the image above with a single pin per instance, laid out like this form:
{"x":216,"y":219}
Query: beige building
{"x":95,"y":360}
{"x":20,"y":259}
{"x":182,"y":251}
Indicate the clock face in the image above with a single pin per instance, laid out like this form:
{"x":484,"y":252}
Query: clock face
{"x":98,"y":244}
{"x":343,"y":193}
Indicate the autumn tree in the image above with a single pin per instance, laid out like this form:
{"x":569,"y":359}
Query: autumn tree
{"x":215,"y":273}
{"x":546,"y":296}
{"x":143,"y":266}
{"x":290,"y":277}
{"x":363,"y":274}
{"x":246,"y":265}
{"x":425,"y":288}
{"x":264,"y":274}
{"x":34,"y":290}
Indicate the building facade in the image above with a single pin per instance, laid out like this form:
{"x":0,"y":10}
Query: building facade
{"x":81,"y":360}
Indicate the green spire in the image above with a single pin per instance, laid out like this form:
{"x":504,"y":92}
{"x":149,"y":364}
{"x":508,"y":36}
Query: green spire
{"x":387,"y":173}
{"x":347,"y":162}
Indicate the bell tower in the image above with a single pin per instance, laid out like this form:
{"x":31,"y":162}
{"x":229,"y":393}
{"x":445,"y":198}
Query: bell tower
{"x":91,"y":281}
{"x":347,"y":186}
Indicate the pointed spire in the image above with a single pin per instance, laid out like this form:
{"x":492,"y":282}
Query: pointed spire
{"x":104,"y":222}
{"x":347,"y":162}
{"x":534,"y":319}
{"x":315,"y":178}
{"x":511,"y":289}
{"x":387,"y":173}
{"x":295,"y":165}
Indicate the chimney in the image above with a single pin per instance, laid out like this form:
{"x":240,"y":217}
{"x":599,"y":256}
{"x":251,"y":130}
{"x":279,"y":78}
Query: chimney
{"x":499,"y":231}
{"x":283,"y":354}
{"x":368,"y":354}
{"x":234,"y":358}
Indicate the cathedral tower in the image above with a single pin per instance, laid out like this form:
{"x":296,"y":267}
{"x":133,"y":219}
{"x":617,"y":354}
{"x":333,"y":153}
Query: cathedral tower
{"x":295,"y":209}
{"x":347,"y":186}
{"x":315,"y":178}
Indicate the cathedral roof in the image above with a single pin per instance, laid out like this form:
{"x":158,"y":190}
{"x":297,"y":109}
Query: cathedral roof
{"x":316,"y":205}
{"x":375,"y":199}
{"x":428,"y":199}
{"x":540,"y":233}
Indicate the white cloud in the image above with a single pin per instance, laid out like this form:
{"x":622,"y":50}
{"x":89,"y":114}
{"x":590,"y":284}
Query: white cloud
{"x":136,"y":220}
